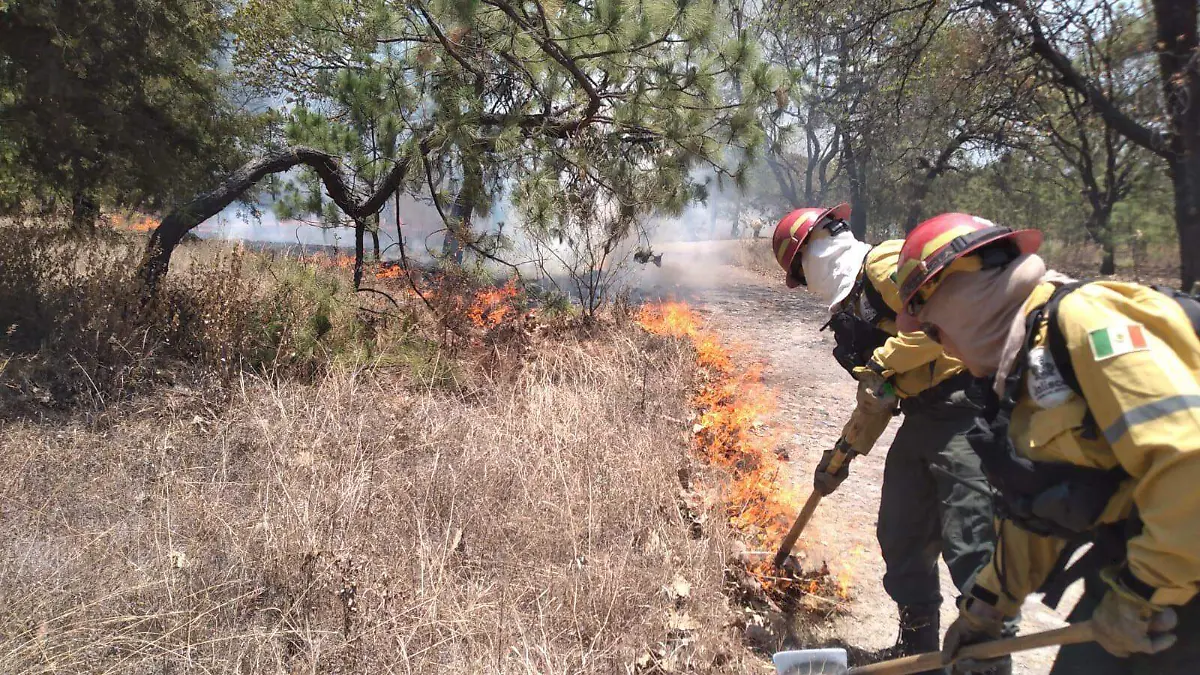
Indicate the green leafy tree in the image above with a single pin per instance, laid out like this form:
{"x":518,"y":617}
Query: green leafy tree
{"x":1091,"y":156}
{"x":1171,"y":130}
{"x":112,"y":101}
{"x":362,"y":131}
{"x":499,"y":91}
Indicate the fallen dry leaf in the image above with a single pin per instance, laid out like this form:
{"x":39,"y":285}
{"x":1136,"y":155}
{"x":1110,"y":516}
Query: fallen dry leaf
{"x":681,"y":622}
{"x":679,"y":588}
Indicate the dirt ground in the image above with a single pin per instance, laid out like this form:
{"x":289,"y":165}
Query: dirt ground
{"x":815,"y":396}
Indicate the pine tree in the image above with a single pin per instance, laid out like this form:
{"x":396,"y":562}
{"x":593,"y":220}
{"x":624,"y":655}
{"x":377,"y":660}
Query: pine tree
{"x":112,"y":101}
{"x":515,"y":96}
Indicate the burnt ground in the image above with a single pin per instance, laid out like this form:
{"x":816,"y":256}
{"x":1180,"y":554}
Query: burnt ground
{"x":814,"y":397}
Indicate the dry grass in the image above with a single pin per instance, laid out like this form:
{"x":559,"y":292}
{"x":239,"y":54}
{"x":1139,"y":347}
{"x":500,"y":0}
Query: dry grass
{"x":75,"y":332}
{"x":368,"y":522}
{"x":1142,"y":263}
{"x":756,"y":256}
{"x":263,"y":472}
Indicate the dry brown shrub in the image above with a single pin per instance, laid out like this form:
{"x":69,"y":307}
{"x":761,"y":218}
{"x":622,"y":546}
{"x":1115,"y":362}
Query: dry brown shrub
{"x":755,"y":255}
{"x":370,"y":521}
{"x":76,"y":331}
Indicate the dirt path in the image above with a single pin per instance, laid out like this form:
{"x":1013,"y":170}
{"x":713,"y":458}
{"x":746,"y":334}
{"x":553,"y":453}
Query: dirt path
{"x":814,"y":398}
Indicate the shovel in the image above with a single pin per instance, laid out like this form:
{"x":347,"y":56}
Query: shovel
{"x":833,"y":661}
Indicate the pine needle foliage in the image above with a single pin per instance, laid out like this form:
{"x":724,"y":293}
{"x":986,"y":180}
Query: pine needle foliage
{"x":493,"y":98}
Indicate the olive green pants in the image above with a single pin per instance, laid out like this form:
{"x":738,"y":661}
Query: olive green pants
{"x":924,"y":514}
{"x":1091,"y":659}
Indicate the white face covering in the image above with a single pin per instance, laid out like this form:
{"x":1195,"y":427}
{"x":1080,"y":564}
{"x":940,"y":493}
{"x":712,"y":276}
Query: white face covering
{"x":977,"y":312}
{"x":831,"y":265}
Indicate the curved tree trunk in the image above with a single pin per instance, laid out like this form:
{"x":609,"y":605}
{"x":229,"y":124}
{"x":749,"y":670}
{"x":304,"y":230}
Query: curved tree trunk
{"x":183,"y":219}
{"x":787,"y":184}
{"x":923,"y":183}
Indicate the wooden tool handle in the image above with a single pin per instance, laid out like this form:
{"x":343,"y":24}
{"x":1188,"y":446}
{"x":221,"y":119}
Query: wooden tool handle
{"x":1073,"y":634}
{"x":789,"y":540}
{"x":841,"y":451}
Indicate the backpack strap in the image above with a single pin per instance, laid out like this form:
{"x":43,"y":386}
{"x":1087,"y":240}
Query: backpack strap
{"x":1189,"y":303}
{"x":1055,"y":341}
{"x":875,"y":299}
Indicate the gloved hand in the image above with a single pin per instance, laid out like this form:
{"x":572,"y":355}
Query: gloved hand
{"x":825,"y":482}
{"x":976,"y":622}
{"x":1125,"y":623}
{"x":877,"y":385}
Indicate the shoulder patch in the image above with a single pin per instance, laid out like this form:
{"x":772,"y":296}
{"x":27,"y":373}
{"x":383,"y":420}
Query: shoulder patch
{"x":1045,"y":383}
{"x":1113,"y":341}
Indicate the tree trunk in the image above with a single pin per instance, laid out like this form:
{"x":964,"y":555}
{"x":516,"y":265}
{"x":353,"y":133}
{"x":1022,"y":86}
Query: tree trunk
{"x":787,"y":186}
{"x":1102,"y":218}
{"x":1108,"y":263}
{"x":924,"y":181}
{"x":179,"y":222}
{"x":1185,"y":177}
{"x":360,"y":227}
{"x":457,"y":230}
{"x":399,"y":226}
{"x":912,"y":216}
{"x":1178,"y":46}
{"x":856,"y":176}
{"x":84,"y":212}
{"x":735,"y":229}
{"x":375,"y":238}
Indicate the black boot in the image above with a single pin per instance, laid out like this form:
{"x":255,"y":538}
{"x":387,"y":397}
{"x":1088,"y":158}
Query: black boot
{"x":919,"y":631}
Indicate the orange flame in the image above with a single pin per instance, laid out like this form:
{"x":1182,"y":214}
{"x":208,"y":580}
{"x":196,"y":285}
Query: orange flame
{"x":733,"y":405}
{"x":485,"y":308}
{"x":492,"y":305}
{"x":136,"y":222}
{"x":326,"y":261}
{"x":391,"y":272}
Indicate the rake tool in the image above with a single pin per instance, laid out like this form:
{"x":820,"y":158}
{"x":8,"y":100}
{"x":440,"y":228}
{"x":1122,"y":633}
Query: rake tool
{"x":859,"y":436}
{"x":833,"y":661}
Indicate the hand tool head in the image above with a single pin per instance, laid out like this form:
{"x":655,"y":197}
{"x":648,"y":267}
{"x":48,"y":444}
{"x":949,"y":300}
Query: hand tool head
{"x":811,"y":662}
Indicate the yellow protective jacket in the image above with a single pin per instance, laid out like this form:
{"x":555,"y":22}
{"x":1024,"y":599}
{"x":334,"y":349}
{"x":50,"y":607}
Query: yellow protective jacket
{"x":911,"y":361}
{"x":1137,"y":359}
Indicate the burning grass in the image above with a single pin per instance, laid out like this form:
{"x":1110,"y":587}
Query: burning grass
{"x":133,"y":222}
{"x":370,"y":521}
{"x":730,"y":432}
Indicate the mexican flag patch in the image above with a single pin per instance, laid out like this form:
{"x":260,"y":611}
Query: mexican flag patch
{"x":1117,"y":340}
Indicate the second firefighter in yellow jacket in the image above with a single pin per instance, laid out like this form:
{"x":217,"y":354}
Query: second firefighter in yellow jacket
{"x":928,"y":507}
{"x":1093,"y":437}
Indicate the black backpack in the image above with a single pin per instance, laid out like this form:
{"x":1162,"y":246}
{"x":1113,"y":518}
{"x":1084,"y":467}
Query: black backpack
{"x":1052,"y":498}
{"x":1057,"y":344}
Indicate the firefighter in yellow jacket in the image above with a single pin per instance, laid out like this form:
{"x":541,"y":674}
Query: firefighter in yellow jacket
{"x":1092,"y":436}
{"x":928,"y":506}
